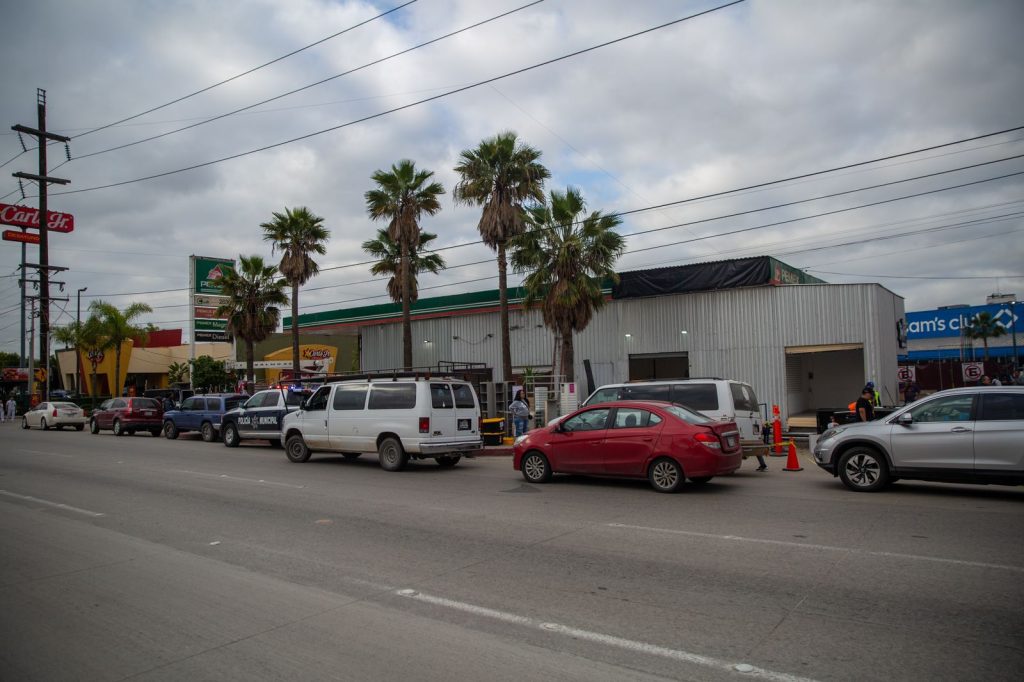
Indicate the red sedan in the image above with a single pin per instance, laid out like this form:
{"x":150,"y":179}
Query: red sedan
{"x":662,"y":442}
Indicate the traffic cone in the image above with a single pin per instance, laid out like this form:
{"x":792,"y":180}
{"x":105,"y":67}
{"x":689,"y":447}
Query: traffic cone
{"x":792,"y":463}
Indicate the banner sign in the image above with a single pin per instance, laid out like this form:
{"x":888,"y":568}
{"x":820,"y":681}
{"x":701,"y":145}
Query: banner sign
{"x":21,"y":373}
{"x":207,"y":314}
{"x":26,"y":216}
{"x":23,"y":237}
{"x":973,"y":371}
{"x":935,"y":324}
{"x":201,"y":336}
{"x":210,"y":325}
{"x":205,"y":295}
{"x":207,"y":273}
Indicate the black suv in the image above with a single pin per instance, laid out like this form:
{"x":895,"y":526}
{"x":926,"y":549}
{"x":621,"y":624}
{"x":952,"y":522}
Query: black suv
{"x":261,"y":415}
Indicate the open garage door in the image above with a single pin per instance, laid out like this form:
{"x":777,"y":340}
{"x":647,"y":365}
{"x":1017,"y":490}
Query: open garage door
{"x":819,"y":377}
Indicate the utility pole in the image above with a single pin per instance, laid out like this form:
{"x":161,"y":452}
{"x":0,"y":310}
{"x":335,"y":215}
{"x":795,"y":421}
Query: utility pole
{"x":78,"y":335}
{"x":31,"y":355}
{"x":23,"y":293}
{"x":42,"y":137}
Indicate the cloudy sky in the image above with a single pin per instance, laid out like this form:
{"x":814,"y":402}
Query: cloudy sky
{"x":753,"y":93}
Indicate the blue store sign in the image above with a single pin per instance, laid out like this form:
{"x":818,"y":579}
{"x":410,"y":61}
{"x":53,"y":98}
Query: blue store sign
{"x":934,"y":324}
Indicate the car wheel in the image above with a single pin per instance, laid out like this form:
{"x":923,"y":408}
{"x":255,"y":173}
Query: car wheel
{"x":43,"y":425}
{"x":350,"y":456}
{"x":448,"y":462}
{"x":864,"y":470}
{"x":536,"y":468}
{"x":230,"y":435}
{"x":24,"y":422}
{"x":79,"y":427}
{"x":118,"y":431}
{"x":93,"y":426}
{"x":700,"y":480}
{"x":170,"y":431}
{"x":392,"y":455}
{"x":155,"y":432}
{"x":296,"y":449}
{"x":207,"y":432}
{"x":666,"y":476}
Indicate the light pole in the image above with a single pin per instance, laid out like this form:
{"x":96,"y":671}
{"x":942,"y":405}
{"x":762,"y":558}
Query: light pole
{"x":78,"y":332}
{"x":1013,"y":332}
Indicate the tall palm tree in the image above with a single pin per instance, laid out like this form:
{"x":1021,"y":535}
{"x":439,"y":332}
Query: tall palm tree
{"x":92,"y":338}
{"x":401,"y":197}
{"x":567,"y":255}
{"x":390,"y":262}
{"x":297,"y":234}
{"x":118,"y":327}
{"x":253,"y":290}
{"x":502,"y":175}
{"x":984,"y":327}
{"x":68,"y":335}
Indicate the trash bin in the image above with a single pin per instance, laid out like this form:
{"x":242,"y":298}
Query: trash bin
{"x":493,"y":430}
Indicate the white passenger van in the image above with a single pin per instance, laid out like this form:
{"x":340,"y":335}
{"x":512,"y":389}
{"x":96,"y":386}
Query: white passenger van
{"x":397,"y":417}
{"x":719,"y":399}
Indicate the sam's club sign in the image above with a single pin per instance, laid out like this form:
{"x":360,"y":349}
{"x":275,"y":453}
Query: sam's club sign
{"x":934,"y":324}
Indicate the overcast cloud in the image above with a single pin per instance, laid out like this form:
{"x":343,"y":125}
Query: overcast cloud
{"x":752,"y":93}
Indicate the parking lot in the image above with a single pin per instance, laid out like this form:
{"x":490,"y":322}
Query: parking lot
{"x":155,"y":559}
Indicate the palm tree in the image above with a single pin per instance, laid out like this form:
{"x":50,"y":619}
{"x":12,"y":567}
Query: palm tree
{"x":503,"y":175}
{"x":567,"y":255}
{"x":984,"y":327}
{"x":92,"y":338}
{"x":176,"y":372}
{"x":297,"y":234}
{"x":401,"y":197}
{"x":68,"y":335}
{"x":390,"y":262}
{"x":118,"y":327}
{"x":254,"y":291}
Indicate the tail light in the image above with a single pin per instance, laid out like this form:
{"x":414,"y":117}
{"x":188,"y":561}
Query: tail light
{"x":424,"y":424}
{"x":708,"y":440}
{"x":55,"y":412}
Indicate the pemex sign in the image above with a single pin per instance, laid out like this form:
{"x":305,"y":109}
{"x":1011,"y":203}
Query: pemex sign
{"x":206,"y":294}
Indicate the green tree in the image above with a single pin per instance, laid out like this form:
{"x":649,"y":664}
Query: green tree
{"x":92,"y":338}
{"x":298,"y":234}
{"x":401,"y":197}
{"x":68,"y":334}
{"x":9,"y":359}
{"x":566,"y":255}
{"x":119,"y":326}
{"x":984,"y":327}
{"x":209,"y":374}
{"x":254,"y":292}
{"x":390,"y":262}
{"x":176,"y":372}
{"x":503,"y":176}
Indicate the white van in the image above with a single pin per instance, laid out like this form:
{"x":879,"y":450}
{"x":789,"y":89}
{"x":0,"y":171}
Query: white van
{"x":398,"y":418}
{"x":720,"y":399}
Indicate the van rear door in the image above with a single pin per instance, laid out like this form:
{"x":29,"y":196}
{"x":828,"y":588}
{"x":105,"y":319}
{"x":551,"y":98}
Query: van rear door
{"x":748,"y":411}
{"x":442,"y":412}
{"x":467,"y":412}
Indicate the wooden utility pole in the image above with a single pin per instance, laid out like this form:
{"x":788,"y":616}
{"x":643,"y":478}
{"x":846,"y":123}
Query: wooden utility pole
{"x":42,"y":137}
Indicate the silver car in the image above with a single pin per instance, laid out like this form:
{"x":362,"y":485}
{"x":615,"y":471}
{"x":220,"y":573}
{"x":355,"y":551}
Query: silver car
{"x":963,"y":435}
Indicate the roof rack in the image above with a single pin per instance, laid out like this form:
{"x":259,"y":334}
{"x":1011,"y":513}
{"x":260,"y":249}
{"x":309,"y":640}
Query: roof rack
{"x":384,"y":376}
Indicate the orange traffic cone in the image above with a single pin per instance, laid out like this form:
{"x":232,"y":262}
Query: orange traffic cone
{"x":792,"y":463}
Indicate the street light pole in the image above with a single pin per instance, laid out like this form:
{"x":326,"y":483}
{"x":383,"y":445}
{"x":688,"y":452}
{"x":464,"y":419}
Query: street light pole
{"x":78,"y":333}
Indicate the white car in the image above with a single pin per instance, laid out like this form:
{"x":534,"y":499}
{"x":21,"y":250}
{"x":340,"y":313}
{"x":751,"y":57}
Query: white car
{"x":54,"y":415}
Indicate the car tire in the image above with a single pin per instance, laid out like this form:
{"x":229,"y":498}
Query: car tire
{"x":864,"y":470}
{"x":43,"y":425}
{"x":79,"y":427}
{"x":392,"y":455}
{"x":665,"y":475}
{"x":351,"y":456}
{"x":448,"y":462}
{"x":118,"y":430}
{"x":230,"y":435}
{"x":207,"y":433}
{"x":700,"y":480}
{"x":94,"y":427}
{"x":535,"y":468}
{"x":170,"y":430}
{"x":296,"y":449}
{"x":24,"y":422}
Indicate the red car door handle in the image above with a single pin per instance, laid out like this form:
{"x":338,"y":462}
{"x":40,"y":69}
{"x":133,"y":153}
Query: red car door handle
{"x":648,"y":440}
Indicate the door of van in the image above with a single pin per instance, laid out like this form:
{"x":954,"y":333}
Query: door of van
{"x":442,"y":412}
{"x":748,"y":412}
{"x":467,"y":412}
{"x":346,"y":419}
{"x":314,"y":419}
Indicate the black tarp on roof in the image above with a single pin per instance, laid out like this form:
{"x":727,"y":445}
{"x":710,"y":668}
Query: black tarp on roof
{"x":726,"y":274}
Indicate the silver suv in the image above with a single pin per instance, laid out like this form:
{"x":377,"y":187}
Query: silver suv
{"x":963,"y":435}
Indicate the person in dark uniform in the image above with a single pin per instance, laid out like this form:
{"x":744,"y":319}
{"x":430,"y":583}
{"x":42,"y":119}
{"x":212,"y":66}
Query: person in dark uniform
{"x":865,"y":410}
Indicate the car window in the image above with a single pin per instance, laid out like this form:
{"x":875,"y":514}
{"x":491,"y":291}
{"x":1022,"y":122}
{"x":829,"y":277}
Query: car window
{"x":630,"y":418}
{"x":272,"y":399}
{"x":118,"y":403}
{"x":688,"y":415}
{"x":189,"y":404}
{"x":64,"y":405}
{"x":254,"y":401}
{"x":106,"y":405}
{"x":653,"y":420}
{"x":743,"y":398}
{"x":591,"y":420}
{"x":350,"y":396}
{"x":953,"y":408}
{"x":464,"y":396}
{"x":645,"y":392}
{"x":696,"y":396}
{"x":144,"y":404}
{"x":213,"y":404}
{"x":393,"y":396}
{"x":441,"y":397}
{"x":1001,"y":407}
{"x":603,"y":395}
{"x":232,"y":403}
{"x":41,"y":407}
{"x":295,"y":398}
{"x":318,"y":401}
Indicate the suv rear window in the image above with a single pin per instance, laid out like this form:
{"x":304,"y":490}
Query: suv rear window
{"x":743,"y":398}
{"x":144,"y":404}
{"x":464,"y":397}
{"x":393,"y":396}
{"x":696,"y":396}
{"x":232,"y":403}
{"x":1002,"y":407}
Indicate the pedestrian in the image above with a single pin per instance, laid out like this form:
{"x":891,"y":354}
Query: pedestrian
{"x":910,"y":393}
{"x":832,"y":423}
{"x":2,"y":409}
{"x":865,"y":410}
{"x":876,"y":397}
{"x":1018,"y":377}
{"x":11,"y":407}
{"x":986,"y":380}
{"x":520,"y":410}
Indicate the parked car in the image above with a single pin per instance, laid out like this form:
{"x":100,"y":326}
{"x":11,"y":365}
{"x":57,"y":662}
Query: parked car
{"x":660,"y":441}
{"x":723,"y":400}
{"x":126,"y":416}
{"x":201,"y":413}
{"x":397,"y":418}
{"x":54,"y":414}
{"x":260,"y":416}
{"x":962,"y":435}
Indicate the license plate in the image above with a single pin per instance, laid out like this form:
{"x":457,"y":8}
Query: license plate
{"x":465,"y":424}
{"x":69,"y":413}
{"x":730,"y":441}
{"x":148,"y":413}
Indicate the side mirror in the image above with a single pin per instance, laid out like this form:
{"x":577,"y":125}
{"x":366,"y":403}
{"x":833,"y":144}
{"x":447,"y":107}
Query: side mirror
{"x":905,"y":419}
{"x":302,"y":404}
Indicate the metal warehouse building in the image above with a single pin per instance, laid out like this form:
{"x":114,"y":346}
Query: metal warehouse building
{"x":800,"y":342}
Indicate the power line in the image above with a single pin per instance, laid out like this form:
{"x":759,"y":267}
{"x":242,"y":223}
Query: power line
{"x":311,"y":85}
{"x":405,"y":106}
{"x":854,"y":274}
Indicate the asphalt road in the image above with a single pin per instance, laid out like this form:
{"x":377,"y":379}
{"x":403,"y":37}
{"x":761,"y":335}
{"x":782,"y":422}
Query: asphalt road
{"x":142,"y":558}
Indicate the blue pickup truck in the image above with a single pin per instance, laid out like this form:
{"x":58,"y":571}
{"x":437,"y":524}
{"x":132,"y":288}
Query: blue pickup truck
{"x":202,"y":413}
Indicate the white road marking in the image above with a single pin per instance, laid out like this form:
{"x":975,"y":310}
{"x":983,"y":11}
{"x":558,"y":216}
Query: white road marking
{"x":226,"y":477}
{"x":58,"y":505}
{"x":828,"y":548}
{"x":607,"y":640}
{"x":44,"y":452}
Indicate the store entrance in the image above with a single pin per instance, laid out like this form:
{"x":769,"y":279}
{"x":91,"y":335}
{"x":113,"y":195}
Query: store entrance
{"x":819,"y":377}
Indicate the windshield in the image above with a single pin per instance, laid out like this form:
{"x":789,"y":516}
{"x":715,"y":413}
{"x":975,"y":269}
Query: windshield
{"x":688,"y":415}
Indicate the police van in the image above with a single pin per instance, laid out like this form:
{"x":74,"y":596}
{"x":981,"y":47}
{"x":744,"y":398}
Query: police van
{"x":261,"y":415}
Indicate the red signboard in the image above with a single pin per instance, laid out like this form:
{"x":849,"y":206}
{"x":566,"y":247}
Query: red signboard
{"x":208,"y":314}
{"x":26,"y":216}
{"x":24,"y":237}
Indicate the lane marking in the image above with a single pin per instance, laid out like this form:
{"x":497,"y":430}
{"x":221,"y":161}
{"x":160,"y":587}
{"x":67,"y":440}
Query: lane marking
{"x":607,"y":640}
{"x":57,"y":505}
{"x":44,"y":452}
{"x":226,"y":477}
{"x":828,"y":548}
